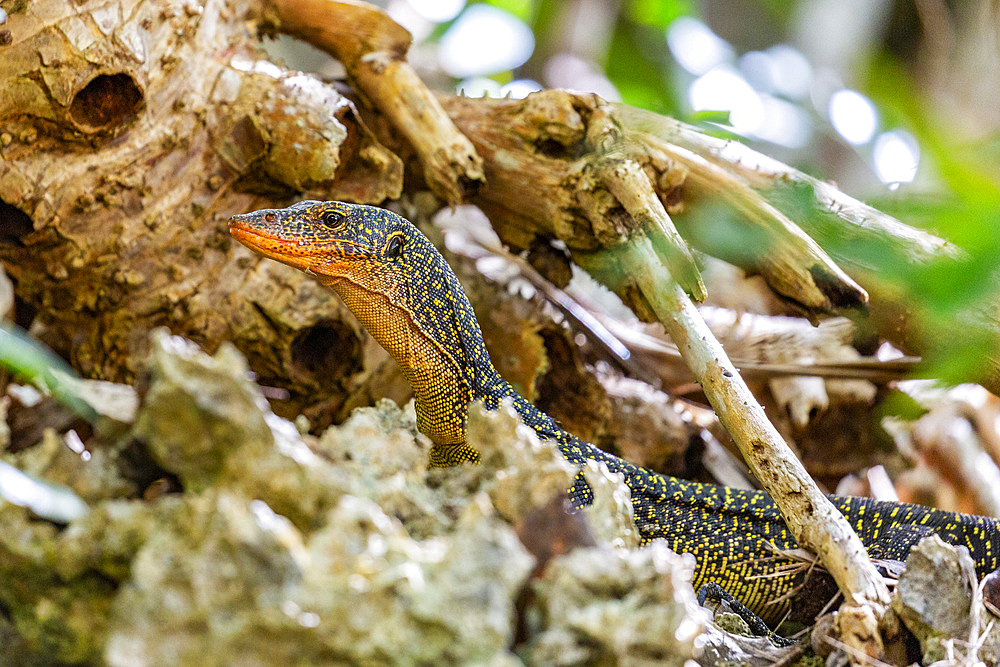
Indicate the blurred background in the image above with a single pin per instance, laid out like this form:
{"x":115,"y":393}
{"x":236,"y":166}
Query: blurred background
{"x":895,"y":101}
{"x":860,"y":92}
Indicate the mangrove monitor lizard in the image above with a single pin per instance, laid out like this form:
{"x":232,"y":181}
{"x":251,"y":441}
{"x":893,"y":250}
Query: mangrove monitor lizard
{"x":402,"y":290}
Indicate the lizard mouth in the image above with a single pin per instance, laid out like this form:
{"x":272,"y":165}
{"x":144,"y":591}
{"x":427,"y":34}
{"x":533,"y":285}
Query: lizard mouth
{"x":285,"y":250}
{"x":329,"y":260}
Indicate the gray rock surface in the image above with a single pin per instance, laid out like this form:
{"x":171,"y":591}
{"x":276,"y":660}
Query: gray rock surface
{"x":937,"y":600}
{"x":603,"y":606}
{"x":283,"y":548}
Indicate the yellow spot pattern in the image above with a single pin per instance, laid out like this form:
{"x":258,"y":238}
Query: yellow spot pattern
{"x":412,"y":303}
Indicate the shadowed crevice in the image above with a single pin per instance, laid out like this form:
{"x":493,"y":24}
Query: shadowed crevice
{"x":327,"y":351}
{"x":15,"y":224}
{"x":106,"y":102}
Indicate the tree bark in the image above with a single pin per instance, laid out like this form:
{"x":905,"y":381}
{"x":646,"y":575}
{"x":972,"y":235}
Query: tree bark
{"x":161,"y":120}
{"x":131,"y":132}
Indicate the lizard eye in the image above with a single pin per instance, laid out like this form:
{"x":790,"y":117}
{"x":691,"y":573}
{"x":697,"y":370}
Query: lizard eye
{"x":394,"y":248}
{"x":332,"y":220}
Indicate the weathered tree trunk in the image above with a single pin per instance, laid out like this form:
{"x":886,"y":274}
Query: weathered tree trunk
{"x":159,"y":120}
{"x":131,"y":131}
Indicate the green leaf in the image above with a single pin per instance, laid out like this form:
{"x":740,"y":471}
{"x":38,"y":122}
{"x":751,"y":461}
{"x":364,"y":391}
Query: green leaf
{"x":522,"y":9}
{"x":29,"y":360}
{"x":657,"y":13}
{"x":711,"y":116}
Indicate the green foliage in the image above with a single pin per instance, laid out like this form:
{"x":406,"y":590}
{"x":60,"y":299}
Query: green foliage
{"x":709,"y":116}
{"x":958,"y":298}
{"x":522,"y":9}
{"x":28,"y":359}
{"x":636,"y":66}
{"x":657,"y":13}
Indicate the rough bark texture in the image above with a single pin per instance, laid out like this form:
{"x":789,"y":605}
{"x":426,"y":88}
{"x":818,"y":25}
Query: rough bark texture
{"x":130,"y":132}
{"x":373,"y":49}
{"x":547,"y":159}
{"x":159,"y":120}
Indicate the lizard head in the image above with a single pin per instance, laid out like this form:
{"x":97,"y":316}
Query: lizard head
{"x":331,"y":240}
{"x":400,"y":288}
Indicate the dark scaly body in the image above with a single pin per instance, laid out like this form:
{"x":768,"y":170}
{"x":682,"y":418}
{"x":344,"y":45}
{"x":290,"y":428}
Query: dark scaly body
{"x":407,"y":296}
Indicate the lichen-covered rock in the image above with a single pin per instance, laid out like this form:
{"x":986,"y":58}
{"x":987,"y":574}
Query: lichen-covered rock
{"x":721,"y":647}
{"x":233,"y":583}
{"x":934,"y":599}
{"x":603,"y":606}
{"x":282,"y":548}
{"x":390,"y":598}
{"x":93,"y":477}
{"x":611,"y":513}
{"x":517,"y":470}
{"x":384,"y":459}
{"x":106,"y":541}
{"x":14,"y":650}
{"x":204,"y":419}
{"x":199,"y":410}
{"x":59,"y":584}
{"x":61,"y":617}
{"x":520,"y":473}
{"x":207,"y":588}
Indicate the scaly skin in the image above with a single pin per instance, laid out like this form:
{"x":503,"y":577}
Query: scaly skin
{"x":402,"y":290}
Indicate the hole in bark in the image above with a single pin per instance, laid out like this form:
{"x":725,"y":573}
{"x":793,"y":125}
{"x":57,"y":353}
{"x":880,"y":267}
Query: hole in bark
{"x":245,"y":143}
{"x":24,"y":312}
{"x":327,"y":350}
{"x":551,"y":262}
{"x":551,"y":148}
{"x":14,"y":224}
{"x":107,"y":101}
{"x":469,"y":187}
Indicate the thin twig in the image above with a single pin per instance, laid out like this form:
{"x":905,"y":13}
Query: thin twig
{"x":816,"y":524}
{"x":855,"y":654}
{"x":373,"y":49}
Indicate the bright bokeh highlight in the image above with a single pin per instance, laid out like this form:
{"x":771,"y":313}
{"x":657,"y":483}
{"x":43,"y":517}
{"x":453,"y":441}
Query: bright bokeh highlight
{"x":520,"y":88}
{"x":485,"y":40}
{"x":695,"y":47}
{"x":896,"y":156}
{"x":564,"y":70}
{"x":438,"y":11}
{"x":723,"y":89}
{"x":478,"y":86}
{"x":853,"y":116}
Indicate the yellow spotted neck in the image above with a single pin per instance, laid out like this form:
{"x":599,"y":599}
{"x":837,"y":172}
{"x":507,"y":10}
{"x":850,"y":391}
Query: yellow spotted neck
{"x":440,"y":389}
